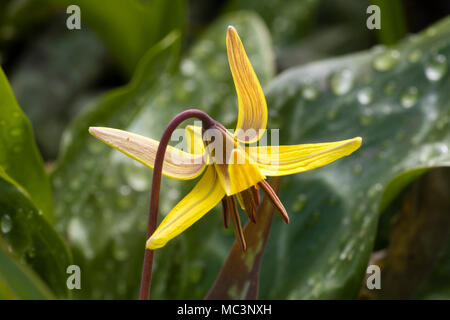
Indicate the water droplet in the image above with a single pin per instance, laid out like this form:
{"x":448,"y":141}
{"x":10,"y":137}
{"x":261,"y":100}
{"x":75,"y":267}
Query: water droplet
{"x":310,"y":92}
{"x":409,"y":98}
{"x":188,"y":67}
{"x":414,"y":55}
{"x":365,"y":95}
{"x":436,"y":67}
{"x":6,"y":223}
{"x":341,"y":82}
{"x":386,"y":60}
{"x":374,"y":190}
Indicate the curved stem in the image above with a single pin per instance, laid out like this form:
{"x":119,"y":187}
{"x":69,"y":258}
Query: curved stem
{"x":207,"y":122}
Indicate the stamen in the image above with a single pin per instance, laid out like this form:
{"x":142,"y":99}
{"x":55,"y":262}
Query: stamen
{"x":275,"y":200}
{"x":225,"y":212}
{"x":249,"y":204}
{"x":256,"y":195}
{"x":231,"y":205}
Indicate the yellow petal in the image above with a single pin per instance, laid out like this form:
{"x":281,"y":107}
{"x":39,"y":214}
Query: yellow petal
{"x":252,"y":117}
{"x":177,"y":164}
{"x":205,"y":195}
{"x":285,"y":160}
{"x":239,"y":175}
{"x":235,"y":169}
{"x":194,"y":139}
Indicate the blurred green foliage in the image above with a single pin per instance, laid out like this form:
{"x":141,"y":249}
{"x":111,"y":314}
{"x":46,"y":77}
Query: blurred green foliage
{"x":396,"y":98}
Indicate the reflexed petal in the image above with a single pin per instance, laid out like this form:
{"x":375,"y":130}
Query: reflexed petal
{"x":239,"y":175}
{"x":284,"y":160}
{"x":252,"y":103}
{"x":177,"y":164}
{"x":194,"y":139}
{"x":205,"y":195}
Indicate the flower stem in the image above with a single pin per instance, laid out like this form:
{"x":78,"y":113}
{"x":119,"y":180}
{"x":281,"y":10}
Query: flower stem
{"x":207,"y":122}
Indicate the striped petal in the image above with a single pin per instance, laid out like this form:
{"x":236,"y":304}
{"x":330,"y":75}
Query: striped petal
{"x":240,"y":174}
{"x":205,"y":195}
{"x":194,"y":139}
{"x":252,"y":117}
{"x":285,"y":160}
{"x":177,"y":164}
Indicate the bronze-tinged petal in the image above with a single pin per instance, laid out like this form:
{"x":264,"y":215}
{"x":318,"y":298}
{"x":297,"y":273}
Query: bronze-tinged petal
{"x":256,"y":195}
{"x":225,"y":212}
{"x":249,"y":204}
{"x":275,"y":200}
{"x":177,"y":163}
{"x":252,"y":117}
{"x":235,"y":219}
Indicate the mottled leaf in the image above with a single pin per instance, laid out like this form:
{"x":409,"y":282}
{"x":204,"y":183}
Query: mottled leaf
{"x":397,"y":100}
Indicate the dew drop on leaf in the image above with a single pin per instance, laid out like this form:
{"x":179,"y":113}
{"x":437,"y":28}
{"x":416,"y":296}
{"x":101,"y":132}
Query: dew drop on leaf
{"x":414,"y":55}
{"x":310,"y":92}
{"x":341,"y":81}
{"x":188,"y":67}
{"x":386,"y":60}
{"x":365,"y":96}
{"x":409,"y":98}
{"x":436,"y":67}
{"x":6,"y":224}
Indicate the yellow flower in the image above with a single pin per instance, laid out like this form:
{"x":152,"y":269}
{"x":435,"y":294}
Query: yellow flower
{"x":239,"y":171}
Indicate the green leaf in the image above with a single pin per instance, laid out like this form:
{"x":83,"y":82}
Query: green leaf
{"x":31,"y":237}
{"x":48,"y":101}
{"x":398,"y":101}
{"x":19,"y":156}
{"x":129,"y":28}
{"x":288,"y":21}
{"x":17,"y":281}
{"x":102,"y":197}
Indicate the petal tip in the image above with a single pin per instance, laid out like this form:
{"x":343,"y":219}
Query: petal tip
{"x":358,"y":141}
{"x":151,"y":245}
{"x":92,"y":130}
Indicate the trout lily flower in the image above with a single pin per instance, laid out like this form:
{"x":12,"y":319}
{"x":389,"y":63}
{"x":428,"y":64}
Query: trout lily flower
{"x":238,"y":171}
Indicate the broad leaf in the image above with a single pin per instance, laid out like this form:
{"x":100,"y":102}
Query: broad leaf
{"x":287,"y":20}
{"x":17,"y":281}
{"x":19,"y":157}
{"x":129,"y":28}
{"x":31,"y":237}
{"x":397,"y":100}
{"x":48,"y":101}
